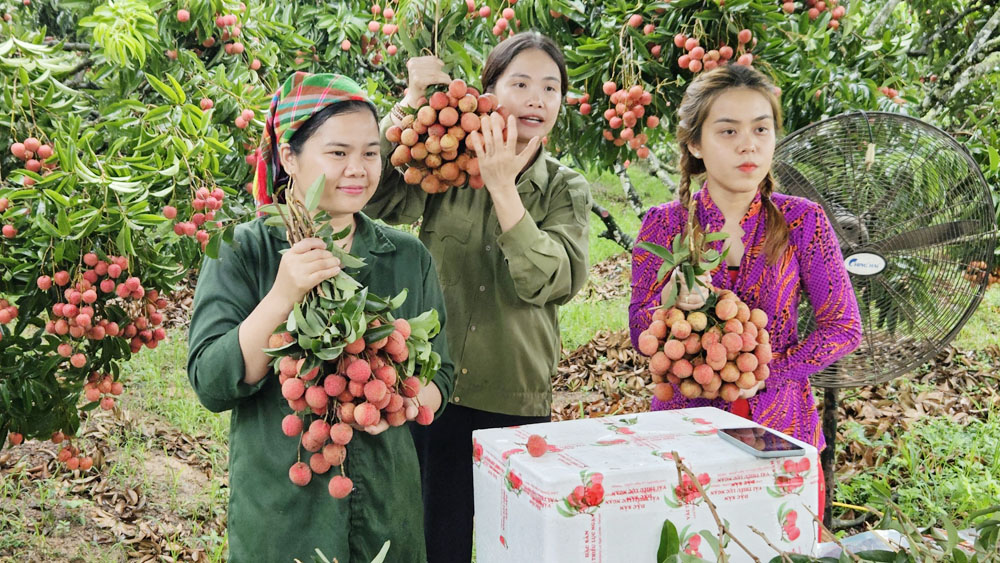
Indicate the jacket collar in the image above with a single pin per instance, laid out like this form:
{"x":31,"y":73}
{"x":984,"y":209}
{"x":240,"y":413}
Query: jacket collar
{"x":536,"y":177}
{"x":710,"y":216}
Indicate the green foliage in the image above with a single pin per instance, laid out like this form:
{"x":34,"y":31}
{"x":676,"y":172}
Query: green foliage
{"x":934,"y":470}
{"x":125,"y":29}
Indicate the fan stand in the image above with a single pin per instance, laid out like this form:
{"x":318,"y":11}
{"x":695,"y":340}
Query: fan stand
{"x":829,"y":454}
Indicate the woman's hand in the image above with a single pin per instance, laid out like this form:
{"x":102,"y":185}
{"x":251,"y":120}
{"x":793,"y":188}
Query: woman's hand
{"x":421,"y":73}
{"x":303,"y":267}
{"x":748,"y":393}
{"x":428,"y":395}
{"x":499,"y":161}
{"x":687,"y":299}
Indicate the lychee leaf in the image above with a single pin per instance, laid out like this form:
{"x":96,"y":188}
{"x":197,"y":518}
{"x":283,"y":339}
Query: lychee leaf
{"x":657,"y":250}
{"x":430,"y":367}
{"x":378,"y":333}
{"x":711,"y":540}
{"x":665,"y":269}
{"x":274,"y":221}
{"x":347,"y":260}
{"x":689,"y":277}
{"x":380,"y":557}
{"x":426,"y":325}
{"x":670,"y":543}
{"x":397,"y":301}
{"x":330,"y":353}
{"x":339,"y":234}
{"x":374,"y":304}
{"x":671,"y":297}
{"x":315,"y":193}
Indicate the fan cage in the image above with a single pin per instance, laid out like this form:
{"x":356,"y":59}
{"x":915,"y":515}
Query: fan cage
{"x":915,"y":198}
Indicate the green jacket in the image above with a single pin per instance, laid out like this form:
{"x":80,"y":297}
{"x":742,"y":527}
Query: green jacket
{"x":271,"y":519}
{"x":502,"y":291}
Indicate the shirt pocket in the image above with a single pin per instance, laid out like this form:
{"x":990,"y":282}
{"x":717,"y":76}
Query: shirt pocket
{"x":448,"y":240}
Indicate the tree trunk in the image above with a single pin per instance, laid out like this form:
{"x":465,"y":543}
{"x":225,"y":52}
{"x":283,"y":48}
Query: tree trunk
{"x":630,"y":194}
{"x":613,"y":232}
{"x":954,"y":79}
{"x":881,"y":18}
{"x":658,"y":169}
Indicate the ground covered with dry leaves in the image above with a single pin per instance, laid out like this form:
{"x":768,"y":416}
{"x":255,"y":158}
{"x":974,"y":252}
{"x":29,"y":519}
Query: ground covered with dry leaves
{"x":157,"y":491}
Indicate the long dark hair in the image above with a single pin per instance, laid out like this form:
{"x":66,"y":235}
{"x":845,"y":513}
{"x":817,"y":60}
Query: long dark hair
{"x":501,"y":56}
{"x":698,"y":100}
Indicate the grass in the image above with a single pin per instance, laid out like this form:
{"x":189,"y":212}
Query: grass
{"x":580,"y":319}
{"x":983,"y":328}
{"x":938,"y":469}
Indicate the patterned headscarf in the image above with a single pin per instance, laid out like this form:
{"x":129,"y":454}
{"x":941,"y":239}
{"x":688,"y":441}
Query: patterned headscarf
{"x":300,"y":97}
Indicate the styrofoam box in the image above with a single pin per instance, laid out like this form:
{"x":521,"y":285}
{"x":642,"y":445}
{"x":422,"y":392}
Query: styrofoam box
{"x":604,"y":488}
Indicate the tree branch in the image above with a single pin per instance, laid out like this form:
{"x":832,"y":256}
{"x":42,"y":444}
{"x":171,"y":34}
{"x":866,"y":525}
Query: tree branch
{"x":395,"y":80}
{"x":881,"y":18}
{"x":613,"y":233}
{"x":69,"y":46}
{"x":723,"y":529}
{"x":941,"y":30}
{"x":981,"y":47}
{"x":661,"y":172}
{"x":633,"y":198}
{"x":977,"y":70}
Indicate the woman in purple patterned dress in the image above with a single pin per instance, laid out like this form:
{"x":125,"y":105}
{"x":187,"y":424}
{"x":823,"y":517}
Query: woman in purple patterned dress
{"x":779,"y":247}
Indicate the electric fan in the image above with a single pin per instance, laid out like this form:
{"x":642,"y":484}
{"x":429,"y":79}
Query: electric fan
{"x":912,"y":212}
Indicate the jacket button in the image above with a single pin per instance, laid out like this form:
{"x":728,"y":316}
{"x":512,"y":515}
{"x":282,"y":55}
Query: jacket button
{"x":465,"y":370}
{"x":473,"y":328}
{"x":482,"y":288}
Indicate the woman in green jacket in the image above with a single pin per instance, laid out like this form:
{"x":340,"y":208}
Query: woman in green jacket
{"x":318,"y":124}
{"x":507,"y":257}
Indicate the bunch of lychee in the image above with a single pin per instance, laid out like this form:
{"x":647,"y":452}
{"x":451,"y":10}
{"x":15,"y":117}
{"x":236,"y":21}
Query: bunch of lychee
{"x":714,"y":352}
{"x":361,"y":387}
{"x":505,"y":22}
{"x":817,"y":7}
{"x":976,"y":271}
{"x":432,"y":148}
{"x":205,"y":204}
{"x":7,"y":230}
{"x":70,"y":456}
{"x":8,"y":313}
{"x":35,"y":155}
{"x":696,"y":58}
{"x":584,"y":102}
{"x":102,"y":389}
{"x":892,"y":94}
{"x":77,"y":317}
{"x":376,"y":28}
{"x":625,"y":115}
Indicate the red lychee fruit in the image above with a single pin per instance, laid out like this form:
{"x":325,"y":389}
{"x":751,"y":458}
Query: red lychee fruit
{"x":300,"y":474}
{"x":340,"y":486}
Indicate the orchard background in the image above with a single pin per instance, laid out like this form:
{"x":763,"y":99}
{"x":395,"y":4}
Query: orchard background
{"x":127,"y":130}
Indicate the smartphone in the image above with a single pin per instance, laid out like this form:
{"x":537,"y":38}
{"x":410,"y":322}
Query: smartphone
{"x":761,"y":442}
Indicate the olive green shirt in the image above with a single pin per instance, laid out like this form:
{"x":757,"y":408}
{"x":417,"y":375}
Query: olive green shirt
{"x":271,"y":519}
{"x":502,"y":290}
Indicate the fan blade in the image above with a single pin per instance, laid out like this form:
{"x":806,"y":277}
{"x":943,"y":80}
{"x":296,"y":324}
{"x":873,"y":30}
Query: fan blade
{"x":929,"y":236}
{"x":793,"y":182}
